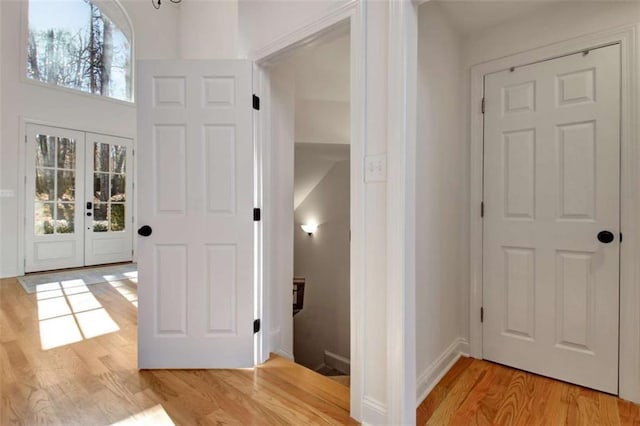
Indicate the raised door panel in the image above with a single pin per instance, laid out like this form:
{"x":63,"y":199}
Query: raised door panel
{"x":519,"y":176}
{"x":170,"y":169}
{"x":575,"y":307}
{"x":171,"y":277}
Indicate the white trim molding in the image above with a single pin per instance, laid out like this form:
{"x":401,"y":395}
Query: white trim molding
{"x":401,"y":196}
{"x":628,"y":37}
{"x":306,"y":33}
{"x":374,"y":411}
{"x":430,"y":377}
{"x":337,"y":362}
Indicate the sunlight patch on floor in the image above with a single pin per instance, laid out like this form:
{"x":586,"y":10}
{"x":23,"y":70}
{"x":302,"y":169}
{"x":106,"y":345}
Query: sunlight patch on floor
{"x":69,"y":312}
{"x":155,"y":415}
{"x":126,"y":291}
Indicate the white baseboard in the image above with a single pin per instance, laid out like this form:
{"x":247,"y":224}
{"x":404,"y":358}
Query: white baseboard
{"x":9,"y":273}
{"x":274,"y":345}
{"x":374,"y":412}
{"x":284,"y":354}
{"x":438,"y":368}
{"x":337,"y":362}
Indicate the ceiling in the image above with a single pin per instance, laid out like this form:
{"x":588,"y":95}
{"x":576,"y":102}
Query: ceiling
{"x":473,"y":16}
{"x":312,"y":163}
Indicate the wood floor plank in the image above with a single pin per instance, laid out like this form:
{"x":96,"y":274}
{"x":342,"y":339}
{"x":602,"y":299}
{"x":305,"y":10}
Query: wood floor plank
{"x":459,"y":392}
{"x":440,"y":392}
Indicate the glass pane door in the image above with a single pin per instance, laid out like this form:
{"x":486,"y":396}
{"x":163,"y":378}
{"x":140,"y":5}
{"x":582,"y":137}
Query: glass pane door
{"x":55,"y":180}
{"x":109,"y":236}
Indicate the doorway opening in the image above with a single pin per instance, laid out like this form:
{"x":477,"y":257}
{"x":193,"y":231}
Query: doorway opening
{"x":311,"y":166}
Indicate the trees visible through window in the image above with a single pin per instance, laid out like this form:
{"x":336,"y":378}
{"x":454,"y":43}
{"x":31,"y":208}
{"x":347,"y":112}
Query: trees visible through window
{"x":75,"y":44}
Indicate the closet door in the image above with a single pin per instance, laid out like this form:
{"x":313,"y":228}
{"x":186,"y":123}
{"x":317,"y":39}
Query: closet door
{"x":108,"y":200}
{"x":54,"y":237}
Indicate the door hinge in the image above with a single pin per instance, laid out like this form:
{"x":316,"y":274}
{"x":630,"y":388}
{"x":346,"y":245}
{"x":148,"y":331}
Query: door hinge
{"x":25,"y":138}
{"x":482,"y":106}
{"x":621,"y":237}
{"x":256,"y":215}
{"x":482,"y":314}
{"x":256,"y":103}
{"x":256,"y":325}
{"x":482,"y":209}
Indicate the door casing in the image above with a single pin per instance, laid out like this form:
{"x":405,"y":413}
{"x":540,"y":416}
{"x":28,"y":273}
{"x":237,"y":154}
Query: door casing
{"x":628,"y":38}
{"x":352,"y":14}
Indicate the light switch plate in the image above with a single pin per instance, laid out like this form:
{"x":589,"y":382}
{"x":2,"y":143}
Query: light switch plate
{"x":375,"y":168}
{"x":7,"y":193}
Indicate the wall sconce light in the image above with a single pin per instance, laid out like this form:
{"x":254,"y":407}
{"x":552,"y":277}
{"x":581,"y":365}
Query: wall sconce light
{"x":309,"y":228}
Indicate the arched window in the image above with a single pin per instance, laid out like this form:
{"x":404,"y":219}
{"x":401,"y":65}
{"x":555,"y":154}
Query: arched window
{"x":81,"y":44}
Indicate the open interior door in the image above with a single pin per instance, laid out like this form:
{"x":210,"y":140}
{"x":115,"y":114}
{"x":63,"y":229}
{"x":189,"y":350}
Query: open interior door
{"x":196,"y":231}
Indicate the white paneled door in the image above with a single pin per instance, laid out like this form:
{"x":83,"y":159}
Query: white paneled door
{"x":196,"y":270}
{"x":78,"y":199}
{"x":552,"y":218}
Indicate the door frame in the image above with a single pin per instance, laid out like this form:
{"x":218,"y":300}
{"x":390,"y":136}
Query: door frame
{"x":352,"y":14}
{"x":22,"y":185}
{"x":628,"y":37}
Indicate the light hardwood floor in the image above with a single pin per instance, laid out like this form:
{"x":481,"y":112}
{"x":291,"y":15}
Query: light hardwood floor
{"x":82,"y":380}
{"x":478,"y":392}
{"x":77,"y":379}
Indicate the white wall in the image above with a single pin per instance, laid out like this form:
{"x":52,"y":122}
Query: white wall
{"x":155,"y":37}
{"x":208,"y":29}
{"x":319,"y":121}
{"x":555,"y":22}
{"x":263,"y":21}
{"x":323,"y":260}
{"x":442,"y":260}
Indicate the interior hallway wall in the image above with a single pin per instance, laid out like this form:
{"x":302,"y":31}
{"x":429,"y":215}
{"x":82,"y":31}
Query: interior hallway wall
{"x":323,"y":260}
{"x":442,"y":225}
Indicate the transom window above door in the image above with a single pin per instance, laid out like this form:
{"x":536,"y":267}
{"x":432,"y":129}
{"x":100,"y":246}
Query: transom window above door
{"x":82,"y":45}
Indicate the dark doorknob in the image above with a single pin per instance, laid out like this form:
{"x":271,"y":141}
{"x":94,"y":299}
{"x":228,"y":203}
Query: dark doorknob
{"x":605,"y":237}
{"x":145,"y":231}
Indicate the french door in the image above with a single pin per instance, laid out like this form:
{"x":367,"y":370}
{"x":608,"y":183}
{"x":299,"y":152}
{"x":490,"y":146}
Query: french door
{"x":78,"y":199}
